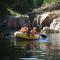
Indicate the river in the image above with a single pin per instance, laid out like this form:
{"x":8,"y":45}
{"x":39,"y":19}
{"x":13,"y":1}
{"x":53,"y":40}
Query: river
{"x":12,"y":49}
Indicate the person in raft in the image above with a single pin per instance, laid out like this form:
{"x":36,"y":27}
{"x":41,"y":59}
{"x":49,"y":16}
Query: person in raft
{"x":34,"y":31}
{"x":23,"y":29}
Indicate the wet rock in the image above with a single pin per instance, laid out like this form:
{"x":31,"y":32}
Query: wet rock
{"x":16,"y":21}
{"x":50,"y":7}
{"x":46,"y":18}
{"x":55,"y":25}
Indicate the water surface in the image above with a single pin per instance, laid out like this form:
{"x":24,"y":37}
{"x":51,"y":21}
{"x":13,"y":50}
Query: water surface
{"x":25,"y":49}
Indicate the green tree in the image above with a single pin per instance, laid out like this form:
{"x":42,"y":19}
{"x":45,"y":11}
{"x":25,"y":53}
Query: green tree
{"x":38,"y":3}
{"x":17,"y":5}
{"x":23,"y":6}
{"x":20,"y":6}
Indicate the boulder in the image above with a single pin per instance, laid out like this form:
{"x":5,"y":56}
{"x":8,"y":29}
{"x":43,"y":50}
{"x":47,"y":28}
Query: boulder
{"x":50,"y":7}
{"x":55,"y":25}
{"x":47,"y":18}
{"x":16,"y":21}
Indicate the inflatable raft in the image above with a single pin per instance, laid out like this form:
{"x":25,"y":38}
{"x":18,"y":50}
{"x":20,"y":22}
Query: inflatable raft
{"x":27,"y":36}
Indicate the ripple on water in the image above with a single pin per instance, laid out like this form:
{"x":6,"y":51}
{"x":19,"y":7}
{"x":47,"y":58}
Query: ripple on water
{"x":30,"y":59}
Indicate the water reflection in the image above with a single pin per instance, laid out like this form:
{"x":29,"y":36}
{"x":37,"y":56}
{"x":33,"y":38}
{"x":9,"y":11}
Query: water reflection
{"x":26,"y":49}
{"x":32,"y":49}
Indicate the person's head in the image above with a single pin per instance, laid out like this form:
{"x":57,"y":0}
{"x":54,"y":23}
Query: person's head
{"x":24,"y":29}
{"x":38,"y":30}
{"x":34,"y":30}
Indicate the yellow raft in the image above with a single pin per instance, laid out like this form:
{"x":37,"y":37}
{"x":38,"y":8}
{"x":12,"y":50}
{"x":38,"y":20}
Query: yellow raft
{"x":27,"y":36}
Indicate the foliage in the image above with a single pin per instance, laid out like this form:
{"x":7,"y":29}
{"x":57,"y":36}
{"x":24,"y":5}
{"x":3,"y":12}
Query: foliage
{"x":38,"y":3}
{"x":13,"y":13}
{"x":21,"y":6}
{"x":51,"y":1}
